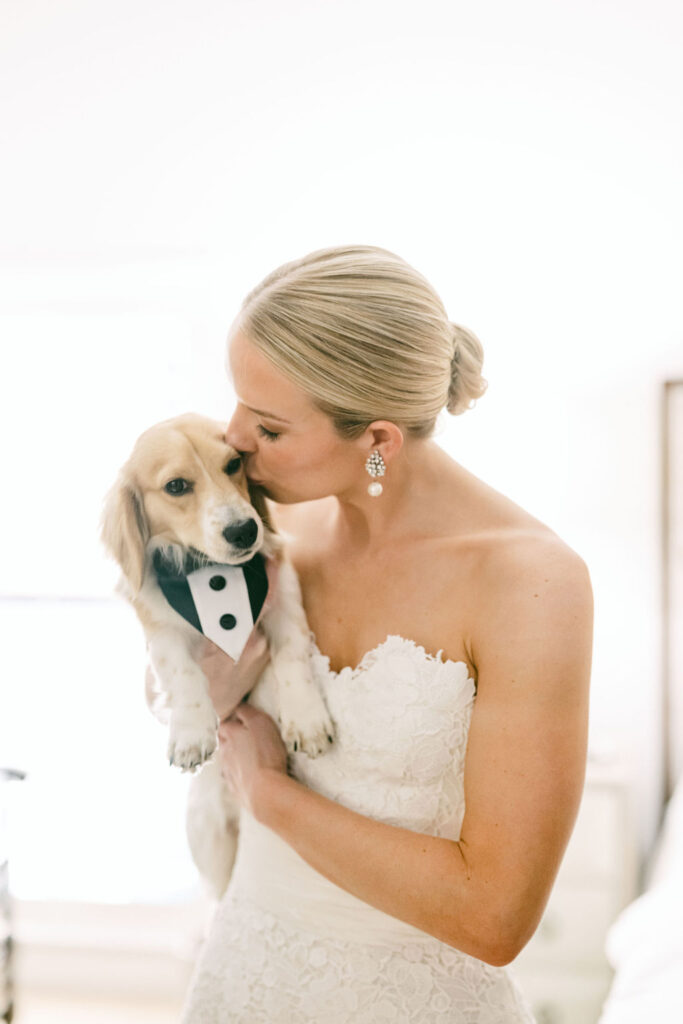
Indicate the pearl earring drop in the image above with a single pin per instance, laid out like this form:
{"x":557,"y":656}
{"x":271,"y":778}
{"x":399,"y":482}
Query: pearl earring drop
{"x":375,"y":466}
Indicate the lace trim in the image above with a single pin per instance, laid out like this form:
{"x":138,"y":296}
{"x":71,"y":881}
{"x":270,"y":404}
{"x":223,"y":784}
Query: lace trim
{"x":371,"y":656}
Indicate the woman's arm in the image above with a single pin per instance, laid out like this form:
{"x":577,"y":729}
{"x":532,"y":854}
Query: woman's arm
{"x":524,"y":772}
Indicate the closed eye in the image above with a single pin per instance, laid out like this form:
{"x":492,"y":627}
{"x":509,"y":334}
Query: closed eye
{"x":270,"y":435}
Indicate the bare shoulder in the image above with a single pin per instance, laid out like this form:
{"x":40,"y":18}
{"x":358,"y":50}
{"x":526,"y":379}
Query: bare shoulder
{"x":511,"y":558}
{"x":514,"y":559}
{"x":534,"y":601}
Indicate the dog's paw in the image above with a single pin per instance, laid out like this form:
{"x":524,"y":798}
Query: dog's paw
{"x":192,"y":740}
{"x":311,"y":731}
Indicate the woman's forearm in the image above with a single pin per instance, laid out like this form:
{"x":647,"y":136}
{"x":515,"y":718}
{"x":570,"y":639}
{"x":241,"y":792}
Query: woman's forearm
{"x":421,"y":879}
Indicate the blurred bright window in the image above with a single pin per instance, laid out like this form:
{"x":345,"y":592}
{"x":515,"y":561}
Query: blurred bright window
{"x":92,"y":359}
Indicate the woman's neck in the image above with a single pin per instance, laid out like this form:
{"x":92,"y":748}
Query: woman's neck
{"x":409,"y":501}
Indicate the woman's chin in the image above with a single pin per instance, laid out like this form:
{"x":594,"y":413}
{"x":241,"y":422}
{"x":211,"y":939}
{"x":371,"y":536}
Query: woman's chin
{"x":263,"y":488}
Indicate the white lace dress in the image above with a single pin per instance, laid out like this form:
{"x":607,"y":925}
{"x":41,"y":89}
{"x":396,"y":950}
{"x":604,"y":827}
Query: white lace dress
{"x":286,"y":945}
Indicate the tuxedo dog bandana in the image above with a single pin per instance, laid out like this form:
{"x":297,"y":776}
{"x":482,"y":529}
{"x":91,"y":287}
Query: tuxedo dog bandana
{"x":224,"y":602}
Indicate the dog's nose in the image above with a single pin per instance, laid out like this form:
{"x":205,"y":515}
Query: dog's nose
{"x":242,"y":534}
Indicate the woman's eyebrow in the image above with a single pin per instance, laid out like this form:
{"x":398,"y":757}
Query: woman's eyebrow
{"x":270,"y":415}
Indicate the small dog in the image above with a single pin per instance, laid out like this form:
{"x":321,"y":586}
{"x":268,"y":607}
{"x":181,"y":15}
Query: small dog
{"x":180,"y":503}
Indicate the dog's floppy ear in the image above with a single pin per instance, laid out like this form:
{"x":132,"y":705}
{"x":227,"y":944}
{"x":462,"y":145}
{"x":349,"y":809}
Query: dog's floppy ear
{"x":124,"y":530}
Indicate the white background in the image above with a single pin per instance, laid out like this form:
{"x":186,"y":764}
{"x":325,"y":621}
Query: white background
{"x":158,"y":159}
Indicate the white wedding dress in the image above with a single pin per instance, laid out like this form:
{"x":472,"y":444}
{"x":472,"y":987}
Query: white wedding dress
{"x":286,"y":945}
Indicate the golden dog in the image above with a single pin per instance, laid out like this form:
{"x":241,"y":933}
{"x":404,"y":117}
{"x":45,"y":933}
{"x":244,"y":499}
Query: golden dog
{"x":184,"y":493}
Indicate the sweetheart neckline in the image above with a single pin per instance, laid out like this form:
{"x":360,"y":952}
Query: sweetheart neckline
{"x":436,"y":658}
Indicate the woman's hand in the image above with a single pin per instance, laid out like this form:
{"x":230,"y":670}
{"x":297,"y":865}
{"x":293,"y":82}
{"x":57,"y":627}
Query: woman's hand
{"x":229,"y":681}
{"x":250,"y":748}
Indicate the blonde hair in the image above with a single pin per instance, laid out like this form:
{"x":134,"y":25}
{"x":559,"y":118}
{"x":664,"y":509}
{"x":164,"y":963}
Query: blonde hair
{"x":366,"y":337}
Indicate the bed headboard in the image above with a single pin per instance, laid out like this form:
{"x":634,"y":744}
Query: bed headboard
{"x":672,"y":581}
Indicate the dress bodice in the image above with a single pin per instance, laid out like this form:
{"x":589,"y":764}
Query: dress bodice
{"x":402,"y":718}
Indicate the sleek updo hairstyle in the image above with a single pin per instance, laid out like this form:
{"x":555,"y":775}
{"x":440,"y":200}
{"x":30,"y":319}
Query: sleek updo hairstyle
{"x":366,"y":337}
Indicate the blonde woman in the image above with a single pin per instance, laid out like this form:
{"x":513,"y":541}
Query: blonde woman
{"x":395,"y":876}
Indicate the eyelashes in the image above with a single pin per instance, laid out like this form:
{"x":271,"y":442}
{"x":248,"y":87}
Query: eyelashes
{"x":269,"y":435}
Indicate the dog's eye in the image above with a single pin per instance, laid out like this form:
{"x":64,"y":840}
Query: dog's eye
{"x":178,"y":486}
{"x":233,"y":466}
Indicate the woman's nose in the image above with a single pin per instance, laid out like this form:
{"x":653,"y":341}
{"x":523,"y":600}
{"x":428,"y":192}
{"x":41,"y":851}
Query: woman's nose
{"x":236,"y":434}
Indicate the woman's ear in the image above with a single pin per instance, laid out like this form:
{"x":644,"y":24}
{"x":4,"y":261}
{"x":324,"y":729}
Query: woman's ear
{"x":124,"y":531}
{"x":384,"y":435}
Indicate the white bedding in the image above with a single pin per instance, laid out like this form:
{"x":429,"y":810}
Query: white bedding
{"x":645,"y":943}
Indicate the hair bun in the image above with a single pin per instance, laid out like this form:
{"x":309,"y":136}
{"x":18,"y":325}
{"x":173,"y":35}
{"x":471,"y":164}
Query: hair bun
{"x":467,"y":383}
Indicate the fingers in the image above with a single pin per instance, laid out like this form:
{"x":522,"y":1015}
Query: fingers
{"x":224,"y":728}
{"x":247,"y":711}
{"x":242,"y":715}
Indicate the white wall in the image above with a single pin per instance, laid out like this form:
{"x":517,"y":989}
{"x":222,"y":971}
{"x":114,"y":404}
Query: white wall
{"x":160,"y":157}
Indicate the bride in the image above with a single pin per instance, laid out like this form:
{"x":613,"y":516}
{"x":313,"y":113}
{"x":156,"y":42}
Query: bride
{"x":393,"y":877}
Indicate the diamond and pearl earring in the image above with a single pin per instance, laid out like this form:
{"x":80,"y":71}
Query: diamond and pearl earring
{"x":376,"y":466}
